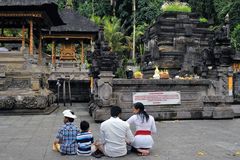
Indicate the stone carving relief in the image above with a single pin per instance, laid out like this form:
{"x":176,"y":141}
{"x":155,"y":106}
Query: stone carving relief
{"x":20,"y":83}
{"x":2,"y":71}
{"x":7,"y":102}
{"x":105,"y":91}
{"x":10,"y":68}
{"x":35,"y":102}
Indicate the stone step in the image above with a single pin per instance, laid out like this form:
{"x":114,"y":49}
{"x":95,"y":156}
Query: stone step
{"x":11,"y":54}
{"x":2,"y":84}
{"x":236,"y":110}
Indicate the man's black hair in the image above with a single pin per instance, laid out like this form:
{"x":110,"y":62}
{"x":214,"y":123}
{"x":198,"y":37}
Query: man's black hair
{"x":115,"y":111}
{"x":71,"y":119}
{"x":84,"y":125}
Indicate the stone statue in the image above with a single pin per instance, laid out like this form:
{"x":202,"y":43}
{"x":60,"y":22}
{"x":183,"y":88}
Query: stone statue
{"x":156,"y":73}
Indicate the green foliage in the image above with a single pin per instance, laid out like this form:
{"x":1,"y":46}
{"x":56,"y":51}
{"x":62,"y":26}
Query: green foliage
{"x":214,"y":27}
{"x":222,"y":8}
{"x":99,"y":8}
{"x":49,"y":48}
{"x":97,"y":20}
{"x":140,"y":29}
{"x":69,"y":3}
{"x":88,"y":65}
{"x":12,"y":32}
{"x":204,"y":7}
{"x":124,"y":12}
{"x":176,"y":7}
{"x":120,"y":73}
{"x":203,"y":20}
{"x":235,"y":39}
{"x":230,"y":7}
{"x":234,"y":13}
{"x":85,"y":9}
{"x":147,"y":11}
{"x":102,"y":8}
{"x":61,"y":3}
{"x":120,"y":37}
{"x":113,"y":34}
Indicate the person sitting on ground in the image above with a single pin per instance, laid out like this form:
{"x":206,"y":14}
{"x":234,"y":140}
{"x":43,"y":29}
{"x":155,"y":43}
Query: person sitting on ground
{"x":85,"y":140}
{"x":145,"y":126}
{"x":65,"y":142}
{"x":115,"y":135}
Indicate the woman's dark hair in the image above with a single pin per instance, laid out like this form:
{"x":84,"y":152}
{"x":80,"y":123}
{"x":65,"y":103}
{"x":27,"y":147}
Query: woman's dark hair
{"x":142,"y":113}
{"x":115,"y":111}
{"x":84,"y":125}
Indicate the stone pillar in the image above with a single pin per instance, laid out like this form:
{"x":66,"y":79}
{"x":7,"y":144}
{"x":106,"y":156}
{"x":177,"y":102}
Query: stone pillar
{"x":105,"y":87}
{"x":223,"y":81}
{"x":35,"y":82}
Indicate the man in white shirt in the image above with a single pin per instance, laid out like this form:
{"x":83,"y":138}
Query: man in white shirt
{"x":115,"y":135}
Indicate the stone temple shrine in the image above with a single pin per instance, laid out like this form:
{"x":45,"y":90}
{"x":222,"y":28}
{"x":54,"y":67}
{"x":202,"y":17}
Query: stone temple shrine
{"x":199,"y":84}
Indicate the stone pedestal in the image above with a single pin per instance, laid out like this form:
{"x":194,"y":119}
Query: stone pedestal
{"x":35,"y":85}
{"x":23,"y":86}
{"x":105,"y":87}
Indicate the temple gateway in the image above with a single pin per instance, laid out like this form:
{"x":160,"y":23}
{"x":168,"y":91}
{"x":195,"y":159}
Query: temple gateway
{"x":70,"y":45}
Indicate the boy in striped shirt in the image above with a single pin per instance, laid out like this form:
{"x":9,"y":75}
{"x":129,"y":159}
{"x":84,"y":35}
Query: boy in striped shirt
{"x":84,"y":140}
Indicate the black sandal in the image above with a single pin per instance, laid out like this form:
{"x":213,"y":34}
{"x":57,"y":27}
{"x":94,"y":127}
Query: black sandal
{"x":97,"y":154}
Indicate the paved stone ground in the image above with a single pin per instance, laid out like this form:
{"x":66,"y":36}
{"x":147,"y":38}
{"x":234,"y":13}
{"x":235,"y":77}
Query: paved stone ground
{"x":31,"y":137}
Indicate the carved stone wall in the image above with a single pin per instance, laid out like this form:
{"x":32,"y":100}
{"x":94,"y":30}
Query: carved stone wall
{"x":199,"y":99}
{"x":27,"y":100}
{"x":182,"y":44}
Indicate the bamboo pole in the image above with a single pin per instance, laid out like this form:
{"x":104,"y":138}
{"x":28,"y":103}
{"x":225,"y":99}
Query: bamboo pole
{"x":53,"y":53}
{"x":82,"y":54}
{"x":31,"y":38}
{"x":134,"y":29}
{"x":23,"y":36}
{"x":92,"y":45}
{"x":40,"y":49}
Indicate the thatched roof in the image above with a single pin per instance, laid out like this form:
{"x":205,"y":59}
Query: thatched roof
{"x":49,"y":6}
{"x":24,"y":2}
{"x":75,"y":23}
